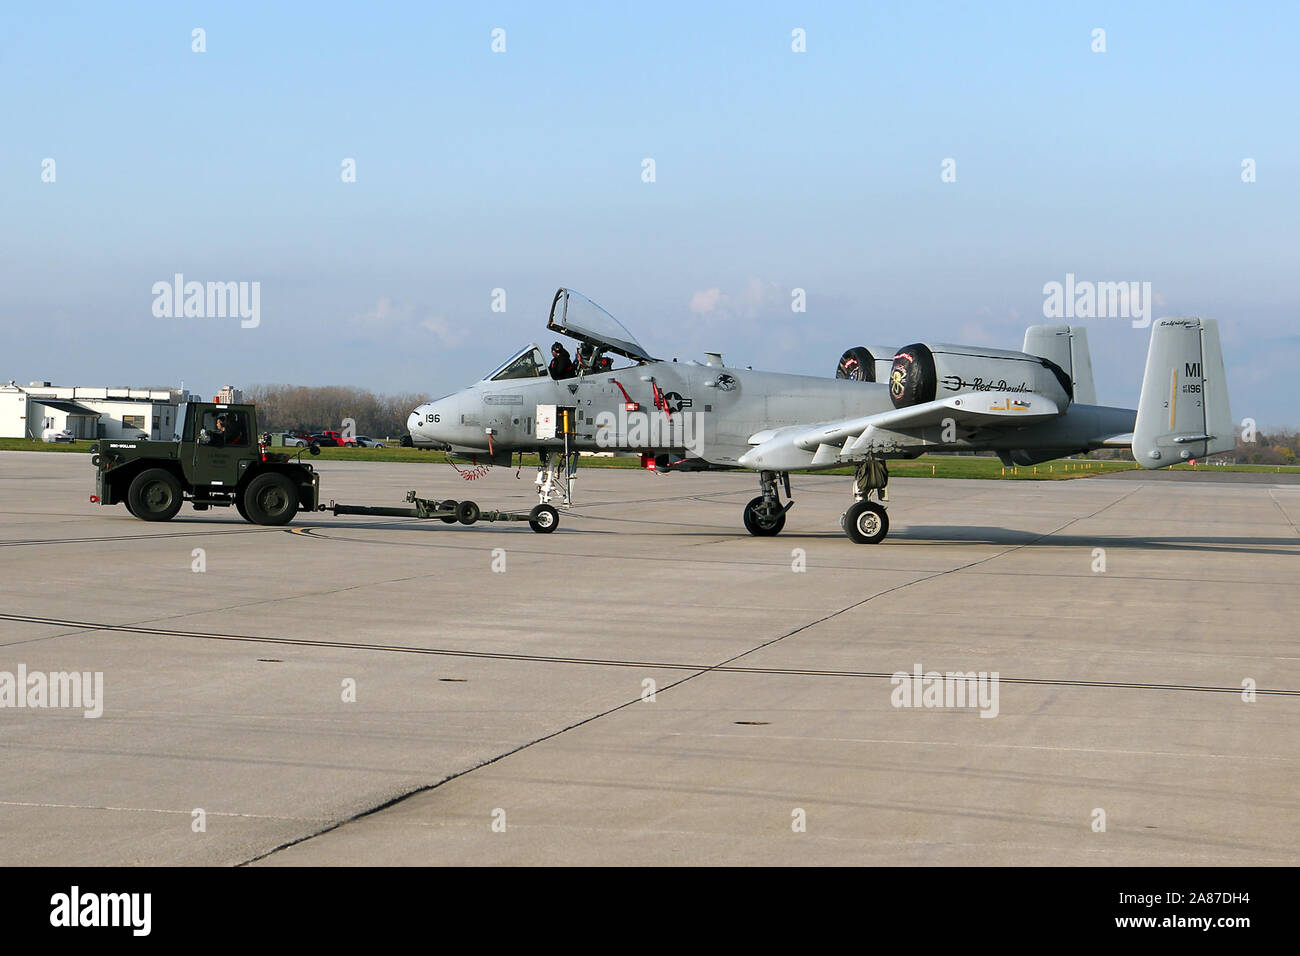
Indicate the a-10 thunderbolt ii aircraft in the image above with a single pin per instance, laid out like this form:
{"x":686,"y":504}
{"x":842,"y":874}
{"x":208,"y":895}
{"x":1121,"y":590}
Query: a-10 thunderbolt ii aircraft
{"x":1028,"y":406}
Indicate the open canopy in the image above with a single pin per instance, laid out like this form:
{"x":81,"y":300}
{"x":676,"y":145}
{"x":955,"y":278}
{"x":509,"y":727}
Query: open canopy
{"x":573,"y":314}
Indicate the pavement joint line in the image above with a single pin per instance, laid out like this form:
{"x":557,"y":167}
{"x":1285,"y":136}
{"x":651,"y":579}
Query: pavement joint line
{"x":210,"y":813}
{"x":1285,"y":517}
{"x":726,"y":667}
{"x":968,"y":744}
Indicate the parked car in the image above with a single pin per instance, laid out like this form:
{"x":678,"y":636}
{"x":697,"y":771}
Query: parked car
{"x":294,"y":441}
{"x":361,"y":441}
{"x":330,"y":439}
{"x":51,"y":435}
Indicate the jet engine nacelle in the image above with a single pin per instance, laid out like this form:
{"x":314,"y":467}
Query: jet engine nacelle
{"x":921,"y":373}
{"x":864,"y":364}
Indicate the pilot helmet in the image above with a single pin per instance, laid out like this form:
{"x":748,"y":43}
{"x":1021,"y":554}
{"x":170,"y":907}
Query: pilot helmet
{"x":557,"y":347}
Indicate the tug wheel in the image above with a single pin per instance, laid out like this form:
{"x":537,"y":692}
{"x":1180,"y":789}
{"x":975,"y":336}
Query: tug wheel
{"x":154,"y":495}
{"x":271,"y":499}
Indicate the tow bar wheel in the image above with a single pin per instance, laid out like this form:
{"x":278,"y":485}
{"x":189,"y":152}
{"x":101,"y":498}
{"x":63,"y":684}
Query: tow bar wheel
{"x":544,"y":519}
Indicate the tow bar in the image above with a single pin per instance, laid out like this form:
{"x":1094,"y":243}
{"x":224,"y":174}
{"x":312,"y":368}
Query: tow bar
{"x":543,"y":519}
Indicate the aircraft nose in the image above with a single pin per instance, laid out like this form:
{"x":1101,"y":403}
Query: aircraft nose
{"x":431,"y":421}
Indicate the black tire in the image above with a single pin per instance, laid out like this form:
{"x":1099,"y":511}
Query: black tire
{"x":453,"y":506}
{"x":866,"y":522}
{"x":239,"y":506}
{"x":759,"y":523}
{"x":154,"y":495}
{"x":467,"y":512}
{"x":543,"y":519}
{"x":857,"y":364}
{"x":271,"y":499}
{"x":912,"y":376}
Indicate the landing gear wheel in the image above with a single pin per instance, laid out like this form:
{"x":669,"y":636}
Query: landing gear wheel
{"x":154,"y":495}
{"x":865,"y":522}
{"x":271,"y":499}
{"x":453,"y":506}
{"x":543,"y":519}
{"x":759,"y":518}
{"x":467,"y":512}
{"x":243,"y":512}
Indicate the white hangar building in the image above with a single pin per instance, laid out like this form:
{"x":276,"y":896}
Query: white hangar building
{"x":29,"y":411}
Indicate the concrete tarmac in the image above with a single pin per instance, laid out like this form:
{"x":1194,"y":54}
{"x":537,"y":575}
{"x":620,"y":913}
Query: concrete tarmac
{"x":650,"y":684}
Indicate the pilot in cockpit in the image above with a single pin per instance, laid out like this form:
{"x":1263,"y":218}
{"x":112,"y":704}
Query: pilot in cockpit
{"x":561,"y":365}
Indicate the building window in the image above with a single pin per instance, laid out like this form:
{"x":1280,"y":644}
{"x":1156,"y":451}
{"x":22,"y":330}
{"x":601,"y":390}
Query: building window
{"x":133,"y":421}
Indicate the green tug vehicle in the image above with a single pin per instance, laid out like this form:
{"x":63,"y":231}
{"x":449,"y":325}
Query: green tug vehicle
{"x":218,"y":459}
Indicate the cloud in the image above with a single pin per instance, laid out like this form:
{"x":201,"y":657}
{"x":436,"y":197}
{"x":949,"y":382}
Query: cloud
{"x":389,"y":319}
{"x":706,"y":300}
{"x":756,"y":300}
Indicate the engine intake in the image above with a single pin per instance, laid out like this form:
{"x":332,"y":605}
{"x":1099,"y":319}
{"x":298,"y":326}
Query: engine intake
{"x":921,"y":373}
{"x":857,"y":364}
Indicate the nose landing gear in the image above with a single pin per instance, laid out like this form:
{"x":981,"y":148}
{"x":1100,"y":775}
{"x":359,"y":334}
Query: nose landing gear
{"x":765,"y":515}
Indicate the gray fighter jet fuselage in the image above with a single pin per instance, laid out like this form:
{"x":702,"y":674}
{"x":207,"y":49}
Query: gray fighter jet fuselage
{"x":1027,"y":406}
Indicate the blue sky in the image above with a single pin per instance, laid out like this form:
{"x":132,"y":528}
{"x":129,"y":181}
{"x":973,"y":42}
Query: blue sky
{"x":521,"y":170}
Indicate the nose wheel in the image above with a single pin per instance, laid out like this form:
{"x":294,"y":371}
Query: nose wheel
{"x":765,"y":515}
{"x":763,"y":519}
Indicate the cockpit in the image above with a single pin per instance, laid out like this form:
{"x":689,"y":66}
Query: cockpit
{"x":597,"y":332}
{"x":526,"y":363}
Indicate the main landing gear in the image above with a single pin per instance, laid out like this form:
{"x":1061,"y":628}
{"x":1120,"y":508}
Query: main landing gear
{"x":865,"y":521}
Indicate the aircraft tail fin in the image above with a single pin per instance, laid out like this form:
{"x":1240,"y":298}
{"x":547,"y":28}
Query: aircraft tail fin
{"x":1183,"y":412}
{"x":1067,"y":346}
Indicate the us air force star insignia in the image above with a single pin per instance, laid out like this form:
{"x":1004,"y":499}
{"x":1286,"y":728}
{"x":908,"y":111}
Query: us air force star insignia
{"x":675,"y":402}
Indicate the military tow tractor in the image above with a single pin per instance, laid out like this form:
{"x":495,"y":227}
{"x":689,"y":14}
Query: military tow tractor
{"x":216,"y":459}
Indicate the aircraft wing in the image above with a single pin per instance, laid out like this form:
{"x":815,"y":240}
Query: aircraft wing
{"x":825,"y":443}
